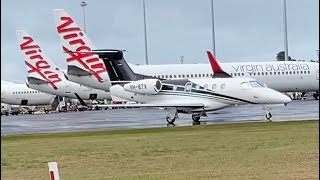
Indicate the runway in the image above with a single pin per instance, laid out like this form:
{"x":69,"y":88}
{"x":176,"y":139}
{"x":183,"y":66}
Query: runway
{"x":143,"y":118}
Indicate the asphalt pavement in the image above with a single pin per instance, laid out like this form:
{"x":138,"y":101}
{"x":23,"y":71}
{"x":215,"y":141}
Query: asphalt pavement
{"x":149,"y":117}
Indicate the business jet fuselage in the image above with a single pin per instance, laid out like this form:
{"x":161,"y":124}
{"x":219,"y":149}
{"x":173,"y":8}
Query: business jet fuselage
{"x":281,"y":76}
{"x":20,"y":94}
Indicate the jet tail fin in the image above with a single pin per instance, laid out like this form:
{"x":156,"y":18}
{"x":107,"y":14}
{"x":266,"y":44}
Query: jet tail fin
{"x":117,"y":67}
{"x":40,"y":68}
{"x":216,"y":68}
{"x":72,"y":38}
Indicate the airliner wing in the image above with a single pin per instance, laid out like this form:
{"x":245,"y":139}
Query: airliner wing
{"x":178,"y":105}
{"x":216,"y":68}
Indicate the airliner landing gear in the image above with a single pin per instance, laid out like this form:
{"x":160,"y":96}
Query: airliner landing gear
{"x":316,"y":95}
{"x":196,"y":119}
{"x":268,"y":115}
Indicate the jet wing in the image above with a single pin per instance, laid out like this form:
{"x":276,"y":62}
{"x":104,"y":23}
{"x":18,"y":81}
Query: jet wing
{"x":177,"y":105}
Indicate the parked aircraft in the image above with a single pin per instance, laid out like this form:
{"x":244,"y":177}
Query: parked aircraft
{"x":45,"y":76}
{"x":283,"y":76}
{"x":194,"y":96}
{"x":20,"y":94}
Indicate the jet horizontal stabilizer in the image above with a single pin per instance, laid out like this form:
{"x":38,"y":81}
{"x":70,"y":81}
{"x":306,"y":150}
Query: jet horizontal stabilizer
{"x":76,"y":71}
{"x":33,"y":80}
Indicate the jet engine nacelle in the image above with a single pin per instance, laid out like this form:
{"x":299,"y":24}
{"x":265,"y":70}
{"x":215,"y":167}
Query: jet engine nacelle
{"x":146,"y":86}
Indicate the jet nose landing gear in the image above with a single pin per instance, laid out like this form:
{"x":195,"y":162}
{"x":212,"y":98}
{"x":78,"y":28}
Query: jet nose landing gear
{"x":170,"y":121}
{"x":268,"y":115}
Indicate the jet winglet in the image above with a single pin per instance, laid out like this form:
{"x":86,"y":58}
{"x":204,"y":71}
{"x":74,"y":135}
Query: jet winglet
{"x":216,"y":68}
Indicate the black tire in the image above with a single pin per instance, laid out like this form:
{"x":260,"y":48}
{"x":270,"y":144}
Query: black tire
{"x":170,"y":121}
{"x":196,"y":117}
{"x":268,"y":116}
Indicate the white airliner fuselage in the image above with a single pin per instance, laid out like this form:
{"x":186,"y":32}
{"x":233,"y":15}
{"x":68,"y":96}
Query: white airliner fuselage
{"x":20,"y":94}
{"x":281,"y":76}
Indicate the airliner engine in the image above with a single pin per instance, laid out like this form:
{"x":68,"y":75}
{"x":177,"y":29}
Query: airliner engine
{"x":146,"y":86}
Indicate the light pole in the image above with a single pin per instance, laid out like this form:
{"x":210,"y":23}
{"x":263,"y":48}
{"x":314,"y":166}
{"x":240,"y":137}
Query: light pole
{"x":213,"y":35}
{"x":83,"y":4}
{"x":286,"y":56}
{"x":182,"y":59}
{"x":145,"y":33}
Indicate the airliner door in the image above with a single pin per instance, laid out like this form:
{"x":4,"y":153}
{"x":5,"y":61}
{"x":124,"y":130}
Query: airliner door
{"x":317,"y":73}
{"x":68,"y":86}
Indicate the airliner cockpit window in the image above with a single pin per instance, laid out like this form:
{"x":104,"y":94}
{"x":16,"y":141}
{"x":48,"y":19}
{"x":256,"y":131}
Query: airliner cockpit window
{"x":255,"y":84}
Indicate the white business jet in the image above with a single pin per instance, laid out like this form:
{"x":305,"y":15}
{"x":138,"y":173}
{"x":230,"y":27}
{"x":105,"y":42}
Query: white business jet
{"x":194,"y":96}
{"x":45,"y":76}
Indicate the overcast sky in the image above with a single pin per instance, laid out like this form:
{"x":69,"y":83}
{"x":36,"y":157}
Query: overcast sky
{"x":245,"y":30}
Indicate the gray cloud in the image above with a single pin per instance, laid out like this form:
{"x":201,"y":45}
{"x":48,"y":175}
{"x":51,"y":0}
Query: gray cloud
{"x":247,"y":30}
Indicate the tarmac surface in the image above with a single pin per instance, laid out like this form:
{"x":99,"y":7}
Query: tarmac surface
{"x":150,"y":117}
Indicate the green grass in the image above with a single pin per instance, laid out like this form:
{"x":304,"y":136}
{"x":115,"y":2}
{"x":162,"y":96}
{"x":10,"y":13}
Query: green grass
{"x":278,"y":150}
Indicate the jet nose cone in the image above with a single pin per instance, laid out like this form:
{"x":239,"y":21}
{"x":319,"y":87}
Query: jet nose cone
{"x":286,"y":99}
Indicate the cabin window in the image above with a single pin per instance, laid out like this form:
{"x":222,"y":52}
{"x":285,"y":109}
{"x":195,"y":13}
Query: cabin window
{"x":174,"y":76}
{"x":230,"y":74}
{"x":239,"y":74}
{"x":235,"y":74}
{"x":214,"y":86}
{"x":203,"y":75}
{"x":293,"y":72}
{"x":191,"y":75}
{"x":308,"y":72}
{"x":305,"y":72}
{"x":266,"y":73}
{"x":222,"y":86}
{"x":187,"y":75}
{"x":207,"y":75}
{"x":282,"y":72}
{"x":166,"y":76}
{"x":195,"y":75}
{"x":258,"y":74}
{"x":179,"y":76}
{"x":286,"y":72}
{"x":242,"y":74}
{"x":275,"y":73}
{"x":170,"y":76}
{"x":254,"y":74}
{"x":297,"y":72}
{"x":290,"y":72}
{"x":183,"y":75}
{"x":262,"y":73}
{"x":199,"y":75}
{"x":301,"y":72}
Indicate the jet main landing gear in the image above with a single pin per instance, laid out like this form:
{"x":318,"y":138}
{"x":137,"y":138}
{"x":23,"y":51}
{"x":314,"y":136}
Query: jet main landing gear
{"x":196,"y":119}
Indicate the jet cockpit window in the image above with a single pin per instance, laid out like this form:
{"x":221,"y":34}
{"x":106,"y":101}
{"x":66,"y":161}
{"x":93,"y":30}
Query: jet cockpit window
{"x":255,"y":84}
{"x":244,"y":85}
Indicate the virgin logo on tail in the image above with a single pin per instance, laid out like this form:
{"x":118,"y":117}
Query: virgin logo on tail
{"x":41,"y":65}
{"x":82,"y":55}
